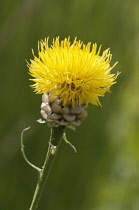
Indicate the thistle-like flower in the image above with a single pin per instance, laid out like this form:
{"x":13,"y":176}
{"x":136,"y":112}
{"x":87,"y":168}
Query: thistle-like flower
{"x":70,"y":75}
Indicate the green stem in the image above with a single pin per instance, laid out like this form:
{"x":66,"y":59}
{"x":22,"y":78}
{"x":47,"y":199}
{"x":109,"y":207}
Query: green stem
{"x":55,"y":139}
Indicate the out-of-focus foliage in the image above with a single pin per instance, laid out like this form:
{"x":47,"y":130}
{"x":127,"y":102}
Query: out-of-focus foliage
{"x":104,"y":175}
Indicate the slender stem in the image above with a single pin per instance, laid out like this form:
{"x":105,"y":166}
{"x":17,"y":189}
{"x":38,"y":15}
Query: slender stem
{"x":55,"y":139}
{"x":23,"y":152}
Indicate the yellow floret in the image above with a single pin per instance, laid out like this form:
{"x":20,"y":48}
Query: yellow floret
{"x":73,"y":71}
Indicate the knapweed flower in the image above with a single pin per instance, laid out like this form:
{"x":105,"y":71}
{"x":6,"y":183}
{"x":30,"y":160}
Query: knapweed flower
{"x":70,"y":75}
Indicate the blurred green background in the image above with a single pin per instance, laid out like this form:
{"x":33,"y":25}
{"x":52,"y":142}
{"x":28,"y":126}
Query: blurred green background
{"x":104,"y":175}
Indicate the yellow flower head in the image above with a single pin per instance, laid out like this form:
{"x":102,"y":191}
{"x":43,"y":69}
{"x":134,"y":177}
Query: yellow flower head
{"x":73,"y":71}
